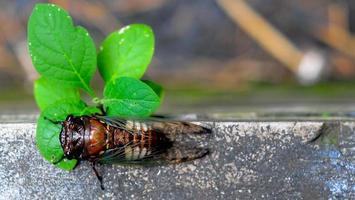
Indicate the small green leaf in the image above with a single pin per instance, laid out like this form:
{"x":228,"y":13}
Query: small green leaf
{"x":47,"y":140}
{"x":60,"y":110}
{"x":127,"y":52}
{"x":67,"y":164}
{"x":47,"y":135}
{"x":47,"y":92}
{"x":158,"y":89}
{"x":129,"y":97}
{"x":48,"y":144}
{"x":60,"y":51}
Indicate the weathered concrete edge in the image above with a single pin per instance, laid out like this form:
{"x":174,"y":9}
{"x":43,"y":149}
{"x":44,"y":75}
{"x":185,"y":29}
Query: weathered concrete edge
{"x":297,"y":125}
{"x":228,"y":134}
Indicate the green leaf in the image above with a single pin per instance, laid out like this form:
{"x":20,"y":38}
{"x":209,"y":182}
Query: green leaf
{"x":47,"y":140}
{"x":67,"y":164}
{"x":158,"y":89}
{"x":60,"y":51}
{"x":60,"y":110}
{"x":91,"y":110}
{"x":47,"y":92}
{"x":48,"y":144}
{"x":47,"y":135}
{"x":127,"y":52}
{"x":129,"y":97}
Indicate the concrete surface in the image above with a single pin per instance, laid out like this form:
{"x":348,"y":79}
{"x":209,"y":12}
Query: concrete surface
{"x":249,"y":160}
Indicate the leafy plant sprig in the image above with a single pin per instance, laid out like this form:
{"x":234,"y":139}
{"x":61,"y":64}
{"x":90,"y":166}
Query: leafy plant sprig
{"x":65,"y":57}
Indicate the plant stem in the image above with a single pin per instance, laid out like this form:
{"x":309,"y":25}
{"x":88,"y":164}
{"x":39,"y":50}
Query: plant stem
{"x":90,"y":91}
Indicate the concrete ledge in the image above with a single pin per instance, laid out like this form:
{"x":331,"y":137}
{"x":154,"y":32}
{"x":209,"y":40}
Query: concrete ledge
{"x":250,"y":160}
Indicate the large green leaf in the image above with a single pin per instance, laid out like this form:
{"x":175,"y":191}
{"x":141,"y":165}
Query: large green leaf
{"x":127,"y":52}
{"x":59,"y":50}
{"x":47,"y":93}
{"x":129,"y":97}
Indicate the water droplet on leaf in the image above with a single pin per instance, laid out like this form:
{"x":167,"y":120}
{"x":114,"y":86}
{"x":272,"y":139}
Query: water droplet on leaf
{"x":123,"y":30}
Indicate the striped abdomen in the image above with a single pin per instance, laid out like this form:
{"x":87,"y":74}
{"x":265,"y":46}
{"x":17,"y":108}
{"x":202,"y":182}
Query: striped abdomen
{"x":138,"y":141}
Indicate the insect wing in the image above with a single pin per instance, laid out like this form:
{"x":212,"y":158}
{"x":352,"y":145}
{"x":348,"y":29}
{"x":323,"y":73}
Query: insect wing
{"x":166,"y":126}
{"x":183,"y":142}
{"x":136,"y":151}
{"x":119,"y":156}
{"x":114,"y":121}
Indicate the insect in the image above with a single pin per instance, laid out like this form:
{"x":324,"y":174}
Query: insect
{"x":104,"y":140}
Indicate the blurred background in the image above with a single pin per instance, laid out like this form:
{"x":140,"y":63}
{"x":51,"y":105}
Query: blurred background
{"x":212,"y":55}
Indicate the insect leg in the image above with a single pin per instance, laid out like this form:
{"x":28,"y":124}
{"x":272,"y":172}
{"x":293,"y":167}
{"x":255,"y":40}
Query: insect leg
{"x":99,"y":177}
